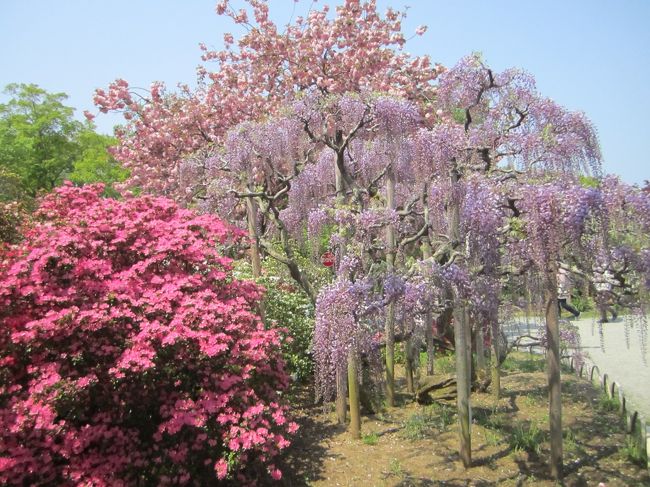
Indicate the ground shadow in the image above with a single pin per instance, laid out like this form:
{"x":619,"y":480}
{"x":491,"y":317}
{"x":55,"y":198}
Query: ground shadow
{"x":303,"y":461}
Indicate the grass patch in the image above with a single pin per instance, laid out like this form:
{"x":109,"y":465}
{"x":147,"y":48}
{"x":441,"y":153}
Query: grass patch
{"x":634,"y":452}
{"x":566,"y":369}
{"x":494,"y":423}
{"x":606,"y":403}
{"x":370,"y":439}
{"x":418,"y":426}
{"x":492,"y":438}
{"x":523,"y":362}
{"x":396,"y":468}
{"x":490,"y":418}
{"x":427,"y":421}
{"x":569,"y":443}
{"x":445,"y":417}
{"x":527,"y":438}
{"x":529,"y":400}
{"x":444,"y":364}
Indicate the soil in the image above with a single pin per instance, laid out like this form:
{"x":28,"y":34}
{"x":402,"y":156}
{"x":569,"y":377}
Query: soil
{"x":414,"y":445}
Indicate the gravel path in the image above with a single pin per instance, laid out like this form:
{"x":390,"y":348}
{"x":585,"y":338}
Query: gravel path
{"x":615,"y":348}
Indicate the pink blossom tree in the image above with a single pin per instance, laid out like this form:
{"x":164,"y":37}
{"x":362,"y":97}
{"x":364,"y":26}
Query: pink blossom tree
{"x":358,"y":49}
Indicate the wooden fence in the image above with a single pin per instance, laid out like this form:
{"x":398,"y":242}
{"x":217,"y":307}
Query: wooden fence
{"x":636,"y":425}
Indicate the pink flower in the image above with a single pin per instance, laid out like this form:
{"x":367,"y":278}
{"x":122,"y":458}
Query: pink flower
{"x":275,"y":473}
{"x":221,"y":467}
{"x":120,"y":300}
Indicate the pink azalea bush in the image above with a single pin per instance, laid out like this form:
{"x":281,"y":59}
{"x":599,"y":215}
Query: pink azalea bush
{"x":128,"y":352}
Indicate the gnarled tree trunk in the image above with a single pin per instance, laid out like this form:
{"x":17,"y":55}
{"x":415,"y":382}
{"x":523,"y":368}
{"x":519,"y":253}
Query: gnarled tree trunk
{"x":353,"y":387}
{"x":389,"y":327}
{"x":462,"y":340}
{"x":553,"y":365}
{"x":428,"y":318}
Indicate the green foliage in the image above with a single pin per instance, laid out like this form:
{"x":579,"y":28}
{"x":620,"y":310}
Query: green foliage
{"x":12,"y":216}
{"x":548,"y":134}
{"x":400,"y":354}
{"x":606,"y":403}
{"x":325,"y":236}
{"x":37,"y":137}
{"x":570,"y":443}
{"x":445,"y":416}
{"x":395,"y":467}
{"x":95,"y":164}
{"x":459,"y":115}
{"x":370,"y":439}
{"x":13,"y":206}
{"x":516,"y":228}
{"x":10,"y":186}
{"x":286,"y":306}
{"x":634,"y":451}
{"x":41,"y":144}
{"x":581,"y":300}
{"x":530,"y":400}
{"x":490,"y":418}
{"x":526,"y":438}
{"x":496,"y":425}
{"x":418,"y":425}
{"x":523,"y":362}
{"x":493,"y":438}
{"x":582,"y":303}
{"x":589,"y":181}
{"x":445,"y":364}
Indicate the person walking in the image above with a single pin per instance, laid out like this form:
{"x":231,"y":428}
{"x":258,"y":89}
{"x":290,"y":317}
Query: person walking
{"x":605,"y":298}
{"x":564,"y":286}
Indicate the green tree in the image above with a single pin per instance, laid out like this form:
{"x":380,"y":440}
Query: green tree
{"x":10,"y":185}
{"x":95,"y":164}
{"x":41,"y":144}
{"x":38,"y":137}
{"x":13,"y":206}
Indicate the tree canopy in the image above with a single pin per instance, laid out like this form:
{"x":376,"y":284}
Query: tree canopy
{"x":41,"y":143}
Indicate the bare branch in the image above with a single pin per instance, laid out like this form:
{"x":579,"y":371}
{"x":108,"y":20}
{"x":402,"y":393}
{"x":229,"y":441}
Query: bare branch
{"x":413,"y":238}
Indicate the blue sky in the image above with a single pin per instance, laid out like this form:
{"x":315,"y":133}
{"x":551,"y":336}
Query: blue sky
{"x":591,"y":56}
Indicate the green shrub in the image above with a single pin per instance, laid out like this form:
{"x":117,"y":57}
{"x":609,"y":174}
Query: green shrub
{"x":583,"y":303}
{"x":286,"y":306}
{"x":291,"y":309}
